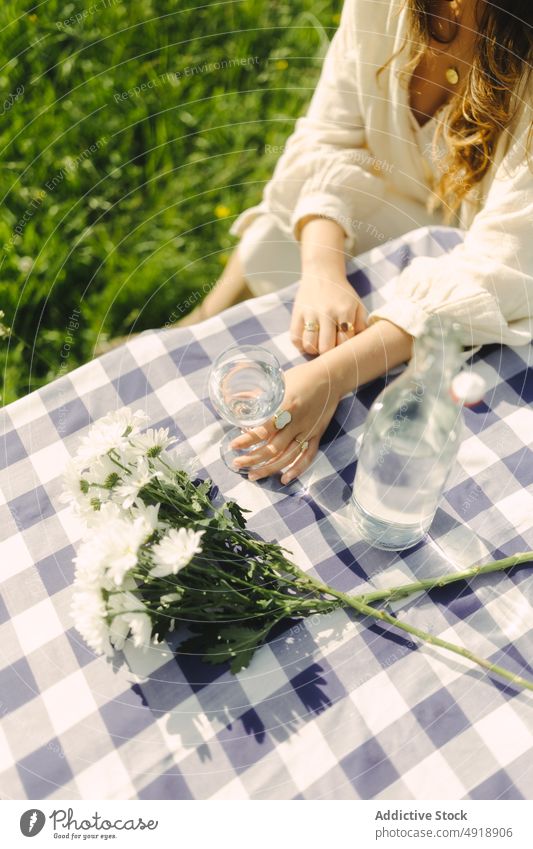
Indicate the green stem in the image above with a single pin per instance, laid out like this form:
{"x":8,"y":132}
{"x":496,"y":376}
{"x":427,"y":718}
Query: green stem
{"x":404,"y":590}
{"x":117,"y":462}
{"x":362,"y":606}
{"x":436,"y":641}
{"x":256,"y":588}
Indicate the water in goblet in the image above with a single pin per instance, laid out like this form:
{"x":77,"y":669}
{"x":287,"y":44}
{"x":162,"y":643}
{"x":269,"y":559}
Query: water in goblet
{"x":246,"y":387}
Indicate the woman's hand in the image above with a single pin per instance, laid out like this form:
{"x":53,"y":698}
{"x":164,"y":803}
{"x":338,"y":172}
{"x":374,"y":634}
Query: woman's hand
{"x":311,"y":397}
{"x":327,"y":312}
{"x":312,"y":393}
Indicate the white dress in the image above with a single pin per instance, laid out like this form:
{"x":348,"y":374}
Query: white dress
{"x":271,"y":256}
{"x":359,"y":157}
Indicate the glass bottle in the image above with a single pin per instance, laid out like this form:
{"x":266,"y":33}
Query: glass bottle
{"x":410,"y":442}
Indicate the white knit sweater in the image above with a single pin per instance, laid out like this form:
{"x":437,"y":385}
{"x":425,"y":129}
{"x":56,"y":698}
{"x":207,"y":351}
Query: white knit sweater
{"x":357,"y":149}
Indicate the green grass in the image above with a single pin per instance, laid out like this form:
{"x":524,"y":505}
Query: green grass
{"x":130,"y":232}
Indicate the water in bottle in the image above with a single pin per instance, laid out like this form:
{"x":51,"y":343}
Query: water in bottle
{"x":410,"y":442}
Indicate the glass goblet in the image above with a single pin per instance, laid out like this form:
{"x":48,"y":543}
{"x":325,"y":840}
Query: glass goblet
{"x":246,"y":387}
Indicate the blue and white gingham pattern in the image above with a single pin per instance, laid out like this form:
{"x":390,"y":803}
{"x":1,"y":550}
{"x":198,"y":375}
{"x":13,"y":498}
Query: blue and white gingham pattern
{"x":332,"y":708}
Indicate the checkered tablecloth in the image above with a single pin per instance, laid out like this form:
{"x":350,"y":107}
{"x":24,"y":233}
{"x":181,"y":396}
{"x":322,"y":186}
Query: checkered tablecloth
{"x":332,"y":708}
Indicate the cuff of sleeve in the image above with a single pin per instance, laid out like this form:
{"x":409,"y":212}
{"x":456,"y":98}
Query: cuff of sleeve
{"x":408,"y":315}
{"x":243,"y":221}
{"x":325,"y":206}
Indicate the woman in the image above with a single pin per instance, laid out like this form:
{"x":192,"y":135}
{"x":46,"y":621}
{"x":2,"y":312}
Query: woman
{"x":418,"y":101}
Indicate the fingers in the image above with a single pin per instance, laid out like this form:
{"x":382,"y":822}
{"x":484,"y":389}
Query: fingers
{"x":316,"y":335}
{"x":267,"y":432}
{"x":347,"y":328}
{"x":319,"y":336}
{"x":283,"y":459}
{"x":252,"y":437}
{"x":301,"y":463}
{"x":328,"y":334}
{"x":277,"y":445}
{"x":361,"y":318}
{"x":310,"y":334}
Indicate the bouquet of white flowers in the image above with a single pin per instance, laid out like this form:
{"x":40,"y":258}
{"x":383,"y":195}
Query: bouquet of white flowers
{"x":161,"y":549}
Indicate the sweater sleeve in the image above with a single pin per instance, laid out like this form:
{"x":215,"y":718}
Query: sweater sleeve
{"x":325,"y":168}
{"x":484,"y":284}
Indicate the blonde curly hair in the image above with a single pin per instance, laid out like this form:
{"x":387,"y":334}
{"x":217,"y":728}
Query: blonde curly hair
{"x":489,"y":96}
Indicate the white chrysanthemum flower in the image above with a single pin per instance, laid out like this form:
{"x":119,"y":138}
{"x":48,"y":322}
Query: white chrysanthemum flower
{"x":178,"y":460}
{"x":112,"y":431}
{"x":105,"y":472}
{"x":110,"y":511}
{"x":73,"y":493}
{"x":102,"y":467}
{"x":150,"y":514}
{"x":132,"y":484}
{"x":90,"y":565}
{"x":152,"y":442}
{"x":141,"y":629}
{"x":111,"y":551}
{"x":175,"y":551}
{"x":129,"y":616}
{"x":86,"y":490}
{"x":121,"y":541}
{"x":89,"y":612}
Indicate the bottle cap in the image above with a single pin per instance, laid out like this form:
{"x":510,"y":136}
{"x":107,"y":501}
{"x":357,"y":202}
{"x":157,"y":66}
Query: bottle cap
{"x":468,"y":388}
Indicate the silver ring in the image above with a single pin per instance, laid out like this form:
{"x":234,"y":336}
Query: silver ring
{"x":281,"y":419}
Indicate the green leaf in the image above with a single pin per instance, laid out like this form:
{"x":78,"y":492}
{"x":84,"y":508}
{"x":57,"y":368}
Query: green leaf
{"x":236,"y":513}
{"x":235,"y":643}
